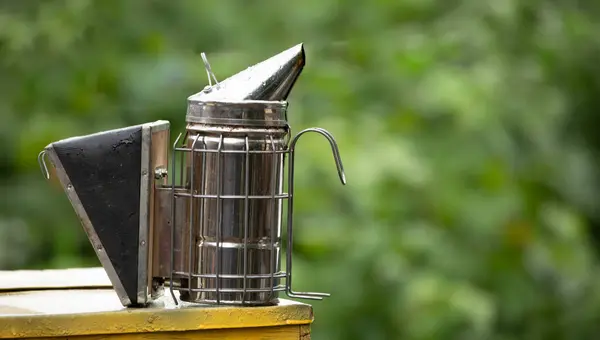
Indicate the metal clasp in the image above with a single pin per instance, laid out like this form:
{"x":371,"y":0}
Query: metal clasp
{"x":42,"y":162}
{"x":209,"y":72}
{"x":340,"y":168}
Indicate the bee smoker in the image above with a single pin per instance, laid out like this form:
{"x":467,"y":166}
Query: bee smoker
{"x":205,"y":219}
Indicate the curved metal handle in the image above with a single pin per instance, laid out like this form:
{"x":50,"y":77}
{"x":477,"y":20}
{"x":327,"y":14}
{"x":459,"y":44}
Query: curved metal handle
{"x":340,"y":168}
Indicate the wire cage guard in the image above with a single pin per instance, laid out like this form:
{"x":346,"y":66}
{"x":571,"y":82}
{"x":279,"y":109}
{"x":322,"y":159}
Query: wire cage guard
{"x":227,"y":216}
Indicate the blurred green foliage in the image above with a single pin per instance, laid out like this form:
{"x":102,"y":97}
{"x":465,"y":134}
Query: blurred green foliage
{"x":467,"y":129}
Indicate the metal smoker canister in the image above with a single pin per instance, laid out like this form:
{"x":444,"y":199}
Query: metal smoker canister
{"x":206,"y":220}
{"x":236,"y":173}
{"x":231,"y":196}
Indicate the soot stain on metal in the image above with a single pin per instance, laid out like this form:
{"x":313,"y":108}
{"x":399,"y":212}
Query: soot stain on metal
{"x":126,"y":141}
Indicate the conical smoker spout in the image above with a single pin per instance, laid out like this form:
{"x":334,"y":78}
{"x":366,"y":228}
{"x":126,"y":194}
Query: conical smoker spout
{"x":270,"y":80}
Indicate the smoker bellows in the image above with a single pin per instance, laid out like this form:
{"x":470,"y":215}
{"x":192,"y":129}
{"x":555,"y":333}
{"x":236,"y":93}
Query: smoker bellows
{"x":204,"y":220}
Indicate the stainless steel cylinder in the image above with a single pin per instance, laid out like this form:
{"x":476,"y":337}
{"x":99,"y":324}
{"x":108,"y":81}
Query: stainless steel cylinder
{"x":234,"y":176}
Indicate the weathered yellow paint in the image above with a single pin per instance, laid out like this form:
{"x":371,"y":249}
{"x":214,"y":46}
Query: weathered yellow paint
{"x":262,"y":333}
{"x":76,"y":312}
{"x":305,"y":332}
{"x":80,"y":304}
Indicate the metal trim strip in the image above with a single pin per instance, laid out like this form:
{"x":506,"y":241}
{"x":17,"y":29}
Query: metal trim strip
{"x":143,"y":290}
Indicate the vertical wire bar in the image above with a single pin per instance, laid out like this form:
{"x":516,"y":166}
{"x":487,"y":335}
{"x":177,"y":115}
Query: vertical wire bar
{"x":183,"y":162}
{"x":202,"y":200}
{"x":183,"y":182}
{"x":275,"y":218}
{"x":220,"y":220}
{"x":191,"y":231}
{"x":290,"y":241}
{"x":172,"y":260}
{"x":246,"y":214}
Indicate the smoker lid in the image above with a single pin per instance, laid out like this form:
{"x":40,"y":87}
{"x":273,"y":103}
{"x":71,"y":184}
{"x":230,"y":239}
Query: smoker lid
{"x":255,"y":96}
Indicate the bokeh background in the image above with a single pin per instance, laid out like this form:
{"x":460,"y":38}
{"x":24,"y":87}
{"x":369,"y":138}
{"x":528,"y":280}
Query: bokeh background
{"x":467,"y":130}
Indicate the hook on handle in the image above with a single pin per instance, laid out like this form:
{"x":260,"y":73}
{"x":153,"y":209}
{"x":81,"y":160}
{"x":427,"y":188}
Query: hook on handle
{"x":340,"y":169}
{"x":334,"y":149}
{"x":42,"y":163}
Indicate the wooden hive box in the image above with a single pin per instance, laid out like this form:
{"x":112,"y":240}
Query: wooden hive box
{"x":81,"y":304}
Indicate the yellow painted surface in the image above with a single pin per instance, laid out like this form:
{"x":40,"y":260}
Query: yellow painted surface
{"x":73,"y":312}
{"x":80,"y":304}
{"x":266,"y":333}
{"x":304,"y":332}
